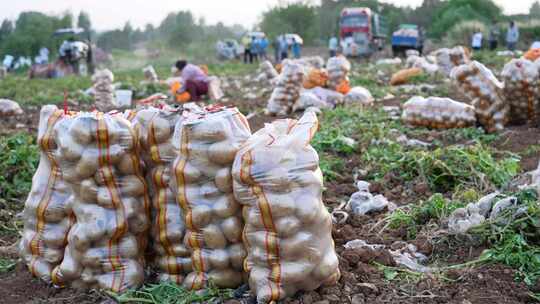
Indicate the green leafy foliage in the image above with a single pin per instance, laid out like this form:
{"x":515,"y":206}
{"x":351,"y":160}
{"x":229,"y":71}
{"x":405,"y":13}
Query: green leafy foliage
{"x":296,"y":18}
{"x":19,"y":159}
{"x":170,"y":293}
{"x":7,"y":265}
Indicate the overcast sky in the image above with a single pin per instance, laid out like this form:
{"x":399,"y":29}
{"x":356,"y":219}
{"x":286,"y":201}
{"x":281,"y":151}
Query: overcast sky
{"x":109,"y":14}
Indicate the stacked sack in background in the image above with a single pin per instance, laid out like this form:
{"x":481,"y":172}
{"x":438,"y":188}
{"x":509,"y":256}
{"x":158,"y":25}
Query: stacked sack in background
{"x":486,"y":92}
{"x":268,"y":70}
{"x":46,"y":214}
{"x":447,"y":59}
{"x":202,"y":182}
{"x":104,"y":90}
{"x":438,"y":113}
{"x":521,"y":89}
{"x":155,"y":127}
{"x":287,"y":229}
{"x":318,"y":97}
{"x":99,"y":161}
{"x":338,"y":74}
{"x":287,"y":89}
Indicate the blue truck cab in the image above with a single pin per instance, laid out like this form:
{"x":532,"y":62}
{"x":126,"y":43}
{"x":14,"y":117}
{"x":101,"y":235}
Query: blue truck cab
{"x":407,"y":37}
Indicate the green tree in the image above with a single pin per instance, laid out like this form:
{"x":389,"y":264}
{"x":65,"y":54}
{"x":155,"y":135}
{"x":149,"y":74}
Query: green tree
{"x":296,"y":18}
{"x":83,"y":21}
{"x":535,"y":10}
{"x":5,"y":29}
{"x":179,"y":28}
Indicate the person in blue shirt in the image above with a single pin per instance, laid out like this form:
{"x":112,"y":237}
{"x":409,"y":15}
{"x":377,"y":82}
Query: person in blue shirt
{"x":283,"y":48}
{"x":255,"y":48}
{"x":263,"y":45}
{"x":296,"y":48}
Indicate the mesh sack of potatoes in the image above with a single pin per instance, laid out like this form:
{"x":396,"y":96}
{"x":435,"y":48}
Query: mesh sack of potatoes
{"x":447,"y":59}
{"x":521,"y":89}
{"x":207,"y":145}
{"x":287,"y":230}
{"x":98,"y":155}
{"x":268,"y":69}
{"x":104,"y":90}
{"x":338,"y":70}
{"x":287,"y":89}
{"x":438,"y":113}
{"x":150,"y":74}
{"x":486,"y":92}
{"x":9,"y":108}
{"x":46,"y":216}
{"x":155,"y":127}
{"x":359,"y":96}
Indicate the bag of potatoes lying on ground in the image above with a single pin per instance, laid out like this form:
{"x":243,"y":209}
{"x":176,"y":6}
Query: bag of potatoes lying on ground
{"x":207,"y":145}
{"x":46,"y":216}
{"x":287,"y":230}
{"x":171,"y":258}
{"x":9,"y":108}
{"x":287,"y":89}
{"x":316,"y":78}
{"x":438,"y":113}
{"x":99,"y":161}
{"x":404,"y":76}
{"x":359,"y":96}
{"x":522,"y":91}
{"x":447,"y":59}
{"x":486,"y":92}
{"x":338,"y":70}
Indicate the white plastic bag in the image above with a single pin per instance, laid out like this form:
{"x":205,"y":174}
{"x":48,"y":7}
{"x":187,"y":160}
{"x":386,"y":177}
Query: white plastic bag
{"x":9,"y":108}
{"x":287,"y":89}
{"x":359,"y":95}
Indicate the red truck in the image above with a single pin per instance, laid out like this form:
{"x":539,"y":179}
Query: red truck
{"x":361,"y":31}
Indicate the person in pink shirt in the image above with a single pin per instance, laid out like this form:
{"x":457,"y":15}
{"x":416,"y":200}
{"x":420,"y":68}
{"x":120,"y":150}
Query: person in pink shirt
{"x":194,"y":80}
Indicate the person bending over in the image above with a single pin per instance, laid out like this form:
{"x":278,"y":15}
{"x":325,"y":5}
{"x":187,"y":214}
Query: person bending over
{"x":194,"y":80}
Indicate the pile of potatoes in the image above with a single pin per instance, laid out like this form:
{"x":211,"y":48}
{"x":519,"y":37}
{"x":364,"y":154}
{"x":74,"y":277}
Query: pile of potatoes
{"x":46,"y":214}
{"x":171,"y":258}
{"x":438,"y":113}
{"x":104,"y":90}
{"x":287,"y":88}
{"x":338,"y":70}
{"x":522,"y":91}
{"x":287,"y":230}
{"x":486,"y":92}
{"x":268,"y":69}
{"x":99,"y":161}
{"x":207,"y":145}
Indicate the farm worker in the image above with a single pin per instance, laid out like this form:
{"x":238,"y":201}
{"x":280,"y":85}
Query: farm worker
{"x":263,"y":45}
{"x":255,"y":47}
{"x":277,"y":52}
{"x":512,"y":36}
{"x":283,"y":48}
{"x":333,"y":46}
{"x":296,"y":48}
{"x":493,"y":37}
{"x":246,"y":42}
{"x":477,"y":41}
{"x":194,"y":80}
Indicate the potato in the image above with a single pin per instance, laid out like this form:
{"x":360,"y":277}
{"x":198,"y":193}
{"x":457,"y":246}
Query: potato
{"x":214,"y":237}
{"x":54,"y":235}
{"x":223,"y":152}
{"x":56,"y":210}
{"x":299,"y":245}
{"x":88,"y":191}
{"x":200,"y":216}
{"x":210,"y":130}
{"x":194,"y":281}
{"x":280,"y":205}
{"x":237,"y":254}
{"x":165,"y":277}
{"x":190,"y":173}
{"x":104,"y":198}
{"x":232,"y":228}
{"x":308,"y":208}
{"x":115,"y":153}
{"x":70,"y":150}
{"x":219,"y":258}
{"x":171,"y":264}
{"x":223,"y":180}
{"x":226,"y":278}
{"x":52,"y":255}
{"x":138,"y":223}
{"x":88,"y":164}
{"x":276,"y":180}
{"x":160,"y":130}
{"x":70,"y":268}
{"x":287,"y":226}
{"x":327,"y":267}
{"x":83,"y":130}
{"x":225,"y":206}
{"x":132,"y":185}
{"x":41,"y":269}
{"x":209,"y":190}
{"x":295,"y":272}
{"x":88,"y":276}
{"x":93,"y":257}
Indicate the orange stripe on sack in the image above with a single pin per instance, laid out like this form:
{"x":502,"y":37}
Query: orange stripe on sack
{"x":111,"y":185}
